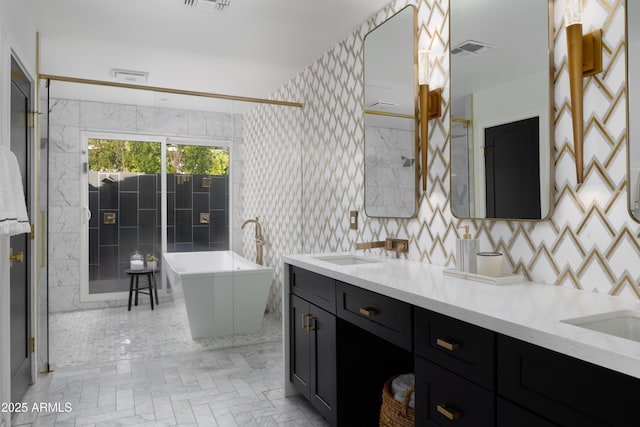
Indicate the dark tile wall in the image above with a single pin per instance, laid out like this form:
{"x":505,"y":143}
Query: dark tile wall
{"x":135,"y":200}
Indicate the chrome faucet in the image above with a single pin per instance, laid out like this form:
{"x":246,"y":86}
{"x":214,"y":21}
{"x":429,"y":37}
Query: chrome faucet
{"x":259,"y":238}
{"x":390,"y":244}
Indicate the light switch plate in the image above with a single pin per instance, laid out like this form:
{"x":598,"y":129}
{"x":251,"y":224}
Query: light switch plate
{"x":353,"y":220}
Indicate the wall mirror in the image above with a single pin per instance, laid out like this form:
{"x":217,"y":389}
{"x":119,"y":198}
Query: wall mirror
{"x":633,"y":107}
{"x":390,"y":103}
{"x":501,"y":108}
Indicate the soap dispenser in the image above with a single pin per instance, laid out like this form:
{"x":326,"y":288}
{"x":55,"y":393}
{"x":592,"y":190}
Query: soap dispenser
{"x":466,"y":250}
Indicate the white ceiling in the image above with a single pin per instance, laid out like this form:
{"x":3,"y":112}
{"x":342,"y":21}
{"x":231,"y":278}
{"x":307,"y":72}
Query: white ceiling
{"x":290,"y":33}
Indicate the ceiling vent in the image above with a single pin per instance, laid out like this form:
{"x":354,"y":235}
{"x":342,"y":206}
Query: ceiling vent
{"x":129,"y":76}
{"x":471,"y":47}
{"x":208,"y":4}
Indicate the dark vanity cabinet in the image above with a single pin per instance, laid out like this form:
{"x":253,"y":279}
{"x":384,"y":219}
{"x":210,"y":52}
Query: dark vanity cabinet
{"x":346,"y":341}
{"x":565,"y":390}
{"x":313,"y":340}
{"x":455,"y":372}
{"x":314,"y":355}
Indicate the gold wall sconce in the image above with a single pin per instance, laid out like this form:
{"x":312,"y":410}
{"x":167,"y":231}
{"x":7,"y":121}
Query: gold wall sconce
{"x":206,"y":182}
{"x":204,"y":218}
{"x":430,"y":108}
{"x":584,"y":59}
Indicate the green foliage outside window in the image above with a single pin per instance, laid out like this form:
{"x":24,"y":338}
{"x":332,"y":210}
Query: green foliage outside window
{"x":106,"y":155}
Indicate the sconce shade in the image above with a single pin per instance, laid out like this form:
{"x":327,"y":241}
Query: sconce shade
{"x":572,"y":12}
{"x":584,"y":59}
{"x":574,"y":52}
{"x":424,"y":132}
{"x":423,"y":67}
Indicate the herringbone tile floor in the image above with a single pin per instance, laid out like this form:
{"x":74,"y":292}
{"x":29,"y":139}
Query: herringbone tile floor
{"x":240,"y":386}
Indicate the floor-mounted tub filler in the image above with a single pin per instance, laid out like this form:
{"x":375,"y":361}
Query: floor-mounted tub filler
{"x":224,"y":293}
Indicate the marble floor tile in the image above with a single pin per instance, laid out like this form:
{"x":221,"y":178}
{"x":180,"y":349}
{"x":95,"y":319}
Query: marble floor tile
{"x":114,"y":368}
{"x":86,"y":337}
{"x":180,"y":389}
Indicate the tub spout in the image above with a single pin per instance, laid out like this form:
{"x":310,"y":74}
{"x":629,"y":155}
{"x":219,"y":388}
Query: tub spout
{"x":259,"y":238}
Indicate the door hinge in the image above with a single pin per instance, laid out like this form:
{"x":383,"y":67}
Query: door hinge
{"x":32,"y":345}
{"x":31,"y":118}
{"x":32,"y":233}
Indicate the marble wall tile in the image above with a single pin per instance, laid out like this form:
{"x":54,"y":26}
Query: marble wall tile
{"x":64,"y":272}
{"x":64,"y":139}
{"x":64,"y":112}
{"x":64,"y":192}
{"x":64,"y":219}
{"x":111,"y":117}
{"x":197,"y":122}
{"x":64,"y":246}
{"x":65,"y":166}
{"x":162,"y":121}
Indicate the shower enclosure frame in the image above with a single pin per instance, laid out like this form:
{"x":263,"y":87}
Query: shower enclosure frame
{"x":85,"y":213}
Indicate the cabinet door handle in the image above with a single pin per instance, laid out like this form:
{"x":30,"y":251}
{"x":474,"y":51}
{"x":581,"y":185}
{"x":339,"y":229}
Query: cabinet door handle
{"x":311,"y":324}
{"x":368,"y":311}
{"x":305,"y":321}
{"x":447,"y":345}
{"x":449,"y":413}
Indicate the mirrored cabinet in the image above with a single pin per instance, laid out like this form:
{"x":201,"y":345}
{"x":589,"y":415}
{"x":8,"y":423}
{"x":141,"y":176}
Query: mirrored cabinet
{"x":633,"y":110}
{"x":501,"y":109}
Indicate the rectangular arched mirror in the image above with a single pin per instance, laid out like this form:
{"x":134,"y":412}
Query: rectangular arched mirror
{"x":501,"y":109}
{"x":633,"y":100}
{"x":390,"y":149}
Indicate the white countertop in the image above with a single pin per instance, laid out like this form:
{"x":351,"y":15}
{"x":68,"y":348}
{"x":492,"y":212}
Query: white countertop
{"x":527,"y":311}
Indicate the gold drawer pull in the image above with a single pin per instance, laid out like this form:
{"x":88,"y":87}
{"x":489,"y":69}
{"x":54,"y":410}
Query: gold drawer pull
{"x":305,"y":321}
{"x":367,"y":311}
{"x":449,"y":413}
{"x":311,"y":324}
{"x":451,"y":346}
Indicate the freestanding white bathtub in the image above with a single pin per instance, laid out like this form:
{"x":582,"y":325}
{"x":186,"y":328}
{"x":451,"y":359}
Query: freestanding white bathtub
{"x":224,"y":293}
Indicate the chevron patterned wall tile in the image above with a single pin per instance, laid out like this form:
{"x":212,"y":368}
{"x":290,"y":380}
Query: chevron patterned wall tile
{"x":589,"y":242}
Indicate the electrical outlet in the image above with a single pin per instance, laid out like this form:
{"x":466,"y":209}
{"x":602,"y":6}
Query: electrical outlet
{"x":353,"y":220}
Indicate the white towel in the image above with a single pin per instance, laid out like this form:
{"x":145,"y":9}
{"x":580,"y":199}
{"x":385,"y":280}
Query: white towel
{"x":400,"y":384}
{"x":13,"y":210}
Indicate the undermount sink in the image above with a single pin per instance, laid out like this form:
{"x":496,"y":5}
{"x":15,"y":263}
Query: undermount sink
{"x":346,"y":259}
{"x":623,"y":323}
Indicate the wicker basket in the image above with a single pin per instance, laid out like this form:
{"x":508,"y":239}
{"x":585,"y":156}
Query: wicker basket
{"x":394,"y":413}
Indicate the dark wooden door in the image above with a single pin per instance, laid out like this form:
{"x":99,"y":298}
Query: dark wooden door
{"x":299,"y":346}
{"x":19,"y":274}
{"x":322,"y":393}
{"x":512,"y":165}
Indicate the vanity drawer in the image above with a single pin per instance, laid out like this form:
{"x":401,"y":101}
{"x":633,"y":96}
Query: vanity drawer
{"x":385,"y":317}
{"x":443,"y":398}
{"x":568,"y":391}
{"x":314,"y":288}
{"x":463,"y":348}
{"x":510,"y":415}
